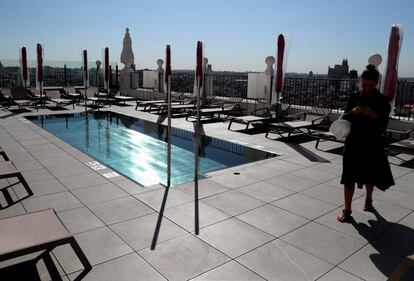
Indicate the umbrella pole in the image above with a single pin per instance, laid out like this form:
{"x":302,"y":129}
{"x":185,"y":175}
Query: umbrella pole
{"x":98,"y":106}
{"x":167,"y":188}
{"x":271,"y":90}
{"x":169,"y":134}
{"x":41,"y":94}
{"x":197,"y":155}
{"x":86,"y":89}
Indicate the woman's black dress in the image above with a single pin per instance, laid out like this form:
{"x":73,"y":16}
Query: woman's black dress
{"x":364,"y":159}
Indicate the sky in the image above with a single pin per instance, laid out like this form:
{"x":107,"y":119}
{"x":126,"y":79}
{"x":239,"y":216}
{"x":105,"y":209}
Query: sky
{"x":238,"y":34}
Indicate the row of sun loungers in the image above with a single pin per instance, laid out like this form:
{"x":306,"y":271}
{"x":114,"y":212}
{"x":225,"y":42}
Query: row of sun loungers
{"x":286,"y":121}
{"x":210,"y":108}
{"x":25,"y":98}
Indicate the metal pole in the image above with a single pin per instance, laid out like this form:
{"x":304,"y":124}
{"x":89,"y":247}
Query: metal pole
{"x":110,"y":76}
{"x":86,"y":88}
{"x":196,"y":158}
{"x":169,"y":134}
{"x":271,"y":90}
{"x":64,"y":74}
{"x":167,"y":188}
{"x":41,"y":94}
{"x":116,"y":75}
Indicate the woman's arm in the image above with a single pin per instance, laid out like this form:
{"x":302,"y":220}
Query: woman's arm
{"x":350,"y":104}
{"x":384,"y":115}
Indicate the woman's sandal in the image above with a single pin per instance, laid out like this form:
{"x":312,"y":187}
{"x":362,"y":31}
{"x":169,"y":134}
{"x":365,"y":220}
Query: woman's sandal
{"x":345,"y":217}
{"x":368,"y":206}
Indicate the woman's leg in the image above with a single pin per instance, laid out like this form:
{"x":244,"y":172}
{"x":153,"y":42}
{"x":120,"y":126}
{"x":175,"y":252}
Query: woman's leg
{"x":368,"y":199}
{"x":346,"y":213}
{"x":370,"y":189}
{"x":348,"y":195}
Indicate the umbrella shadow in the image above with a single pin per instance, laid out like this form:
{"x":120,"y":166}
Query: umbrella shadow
{"x":310,"y":155}
{"x":394,"y":246}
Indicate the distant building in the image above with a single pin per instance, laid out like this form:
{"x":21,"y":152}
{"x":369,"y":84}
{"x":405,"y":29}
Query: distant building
{"x":339,"y":70}
{"x":353,"y":74}
{"x":310,"y":74}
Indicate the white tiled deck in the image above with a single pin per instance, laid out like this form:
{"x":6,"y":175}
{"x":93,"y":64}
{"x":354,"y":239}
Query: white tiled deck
{"x":274,"y":221}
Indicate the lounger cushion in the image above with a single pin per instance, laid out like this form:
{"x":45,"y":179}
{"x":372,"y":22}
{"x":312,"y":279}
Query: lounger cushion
{"x":26,"y":231}
{"x":7,"y":168}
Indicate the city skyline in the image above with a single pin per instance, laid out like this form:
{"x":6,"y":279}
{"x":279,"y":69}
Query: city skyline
{"x":238,"y":34}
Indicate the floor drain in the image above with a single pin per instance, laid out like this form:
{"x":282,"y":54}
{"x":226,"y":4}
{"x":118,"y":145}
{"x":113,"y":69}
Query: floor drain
{"x":236,"y":173}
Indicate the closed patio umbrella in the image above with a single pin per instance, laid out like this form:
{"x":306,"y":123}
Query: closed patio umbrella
{"x":85,"y":75}
{"x":389,"y":83}
{"x":198,"y":91}
{"x":85,"y":70}
{"x":279,"y":69}
{"x":106,"y":68}
{"x":23,"y":67}
{"x":167,"y":87}
{"x":39,"y":71}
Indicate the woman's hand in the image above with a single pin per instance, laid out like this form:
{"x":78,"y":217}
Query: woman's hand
{"x":370,"y":113}
{"x":358,"y":110}
{"x":365,"y":110}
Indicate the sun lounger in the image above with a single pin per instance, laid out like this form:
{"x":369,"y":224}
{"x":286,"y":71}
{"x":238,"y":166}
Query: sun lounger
{"x":8,"y":170}
{"x":267,"y":115}
{"x":160,"y":104}
{"x":56,"y":97}
{"x":404,"y":146}
{"x":249,"y":119}
{"x":123,"y":97}
{"x":216,"y":112}
{"x":402,"y":129}
{"x":20,"y":97}
{"x":95,"y":99}
{"x":39,"y":231}
{"x":146,"y":103}
{"x":76,"y":97}
{"x":160,"y":107}
{"x":395,"y":127}
{"x":289,"y":127}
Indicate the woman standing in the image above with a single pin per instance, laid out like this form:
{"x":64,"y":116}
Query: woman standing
{"x":365,"y":161}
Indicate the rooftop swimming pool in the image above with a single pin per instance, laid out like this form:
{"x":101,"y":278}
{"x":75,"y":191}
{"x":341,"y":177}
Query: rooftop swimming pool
{"x":137,"y":148}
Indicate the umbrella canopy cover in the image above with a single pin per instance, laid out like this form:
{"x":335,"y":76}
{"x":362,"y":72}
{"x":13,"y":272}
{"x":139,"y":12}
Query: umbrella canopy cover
{"x":199,"y":71}
{"x":39,"y":70}
{"x":85,"y":67}
{"x":389,"y":83}
{"x":106,"y":66}
{"x":167,"y":72}
{"x":280,"y":70}
{"x":24,"y":67}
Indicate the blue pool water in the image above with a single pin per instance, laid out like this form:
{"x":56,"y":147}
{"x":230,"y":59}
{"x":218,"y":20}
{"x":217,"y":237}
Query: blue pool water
{"x":137,"y":148}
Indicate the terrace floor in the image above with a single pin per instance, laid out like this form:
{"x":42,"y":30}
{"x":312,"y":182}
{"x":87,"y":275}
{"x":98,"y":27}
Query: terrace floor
{"x":275,"y":220}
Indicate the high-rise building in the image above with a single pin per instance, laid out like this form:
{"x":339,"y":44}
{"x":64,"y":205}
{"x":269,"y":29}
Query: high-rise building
{"x":353,"y":74}
{"x":339,"y":70}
